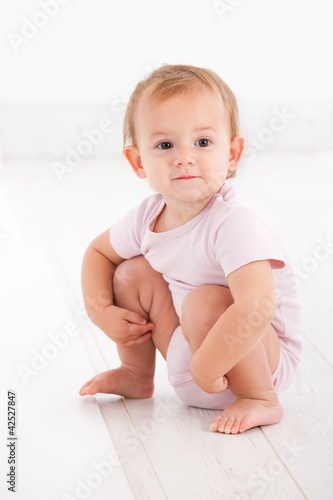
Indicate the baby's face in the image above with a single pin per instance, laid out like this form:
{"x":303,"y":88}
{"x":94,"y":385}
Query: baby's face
{"x":184,"y":145}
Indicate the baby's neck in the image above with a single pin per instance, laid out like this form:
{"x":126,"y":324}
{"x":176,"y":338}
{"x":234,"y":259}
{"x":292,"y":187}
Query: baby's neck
{"x":171,"y":217}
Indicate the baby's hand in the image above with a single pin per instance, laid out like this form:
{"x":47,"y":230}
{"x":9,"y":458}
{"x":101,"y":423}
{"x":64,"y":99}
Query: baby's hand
{"x":123,"y":326}
{"x":219,"y":385}
{"x":224,"y":383}
{"x":214,"y":387}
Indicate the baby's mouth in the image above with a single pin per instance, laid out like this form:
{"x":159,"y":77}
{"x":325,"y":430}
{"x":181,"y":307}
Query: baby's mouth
{"x":185,"y":177}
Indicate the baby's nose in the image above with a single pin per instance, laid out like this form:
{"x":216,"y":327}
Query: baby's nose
{"x":184,"y":156}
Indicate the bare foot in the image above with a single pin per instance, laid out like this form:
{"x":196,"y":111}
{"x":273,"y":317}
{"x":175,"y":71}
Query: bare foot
{"x":246,"y":413}
{"x":121,"y":381}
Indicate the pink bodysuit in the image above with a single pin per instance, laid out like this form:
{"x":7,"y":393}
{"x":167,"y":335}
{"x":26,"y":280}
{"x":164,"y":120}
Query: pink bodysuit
{"x":221,"y":238}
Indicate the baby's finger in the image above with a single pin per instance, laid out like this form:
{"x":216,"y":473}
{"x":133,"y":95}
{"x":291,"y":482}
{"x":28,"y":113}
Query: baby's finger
{"x":225,"y":383}
{"x":135,"y":330}
{"x":135,"y":318}
{"x":138,"y":340}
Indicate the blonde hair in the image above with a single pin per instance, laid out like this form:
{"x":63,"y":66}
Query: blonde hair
{"x":172,"y":79}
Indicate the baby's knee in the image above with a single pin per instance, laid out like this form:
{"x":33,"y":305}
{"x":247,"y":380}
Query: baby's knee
{"x":179,"y":359}
{"x":194,"y":309}
{"x":130,"y":272}
{"x":204,"y":305}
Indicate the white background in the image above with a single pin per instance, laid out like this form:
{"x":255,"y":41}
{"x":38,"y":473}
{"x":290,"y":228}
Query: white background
{"x":67,"y":64}
{"x":91,"y":50}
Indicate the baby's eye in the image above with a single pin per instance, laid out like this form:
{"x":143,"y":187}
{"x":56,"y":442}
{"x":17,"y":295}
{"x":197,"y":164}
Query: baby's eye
{"x":164,"y":145}
{"x":203,"y":143}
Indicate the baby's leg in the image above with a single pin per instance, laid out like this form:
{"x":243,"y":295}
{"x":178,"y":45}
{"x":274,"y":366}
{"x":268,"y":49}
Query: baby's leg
{"x":138,"y":288}
{"x":250,"y":379}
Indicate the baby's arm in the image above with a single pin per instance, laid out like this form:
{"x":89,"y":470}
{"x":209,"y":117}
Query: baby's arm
{"x":99,"y":264}
{"x":241,"y":326}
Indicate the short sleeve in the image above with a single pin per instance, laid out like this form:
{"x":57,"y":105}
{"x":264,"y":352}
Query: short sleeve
{"x":127,"y":234}
{"x":245,"y":237}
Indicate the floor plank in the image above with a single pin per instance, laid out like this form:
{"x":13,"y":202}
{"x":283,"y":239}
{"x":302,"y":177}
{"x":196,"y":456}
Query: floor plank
{"x":304,"y":438}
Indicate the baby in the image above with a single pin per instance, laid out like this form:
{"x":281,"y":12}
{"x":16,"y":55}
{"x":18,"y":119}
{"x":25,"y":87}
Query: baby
{"x":192,"y":271}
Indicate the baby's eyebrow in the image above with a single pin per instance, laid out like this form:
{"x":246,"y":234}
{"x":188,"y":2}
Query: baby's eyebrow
{"x":167,"y":133}
{"x":205,"y":129}
{"x":158,"y":133}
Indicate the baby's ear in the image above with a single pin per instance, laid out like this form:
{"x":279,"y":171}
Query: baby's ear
{"x":236,"y":150}
{"x":132,"y":154}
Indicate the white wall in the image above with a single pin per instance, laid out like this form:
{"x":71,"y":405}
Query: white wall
{"x":87,"y":54}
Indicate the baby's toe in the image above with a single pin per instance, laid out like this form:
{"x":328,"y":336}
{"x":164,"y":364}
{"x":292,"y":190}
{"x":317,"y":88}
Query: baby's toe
{"x":226,"y":424}
{"x":214,"y":425}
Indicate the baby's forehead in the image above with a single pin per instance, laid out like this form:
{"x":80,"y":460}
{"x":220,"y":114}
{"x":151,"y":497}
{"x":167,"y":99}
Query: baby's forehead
{"x":200,"y":110}
{"x":156,"y":96}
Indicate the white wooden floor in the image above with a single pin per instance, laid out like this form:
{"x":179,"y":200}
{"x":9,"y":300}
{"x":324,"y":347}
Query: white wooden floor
{"x":108,"y":448}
